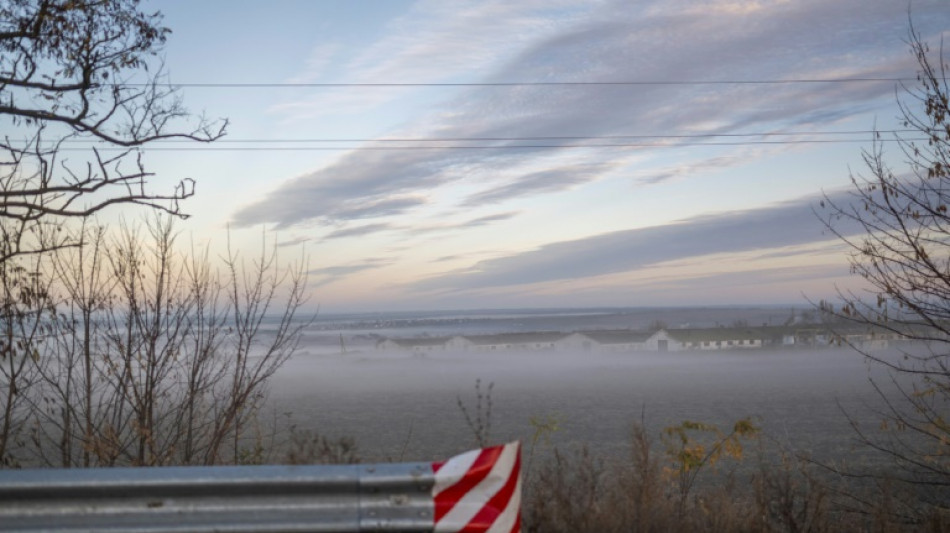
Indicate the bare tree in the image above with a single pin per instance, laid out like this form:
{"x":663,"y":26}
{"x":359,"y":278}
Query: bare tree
{"x":157,"y":357}
{"x":114,"y":351}
{"x":25,"y":302}
{"x":74,"y":75}
{"x":897,"y":226}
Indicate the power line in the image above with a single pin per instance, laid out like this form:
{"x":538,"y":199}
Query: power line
{"x":482,"y":147}
{"x":516,"y":139}
{"x":266,"y":85}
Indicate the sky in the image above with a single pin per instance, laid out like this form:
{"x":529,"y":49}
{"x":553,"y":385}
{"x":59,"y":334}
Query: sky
{"x":440,"y":154}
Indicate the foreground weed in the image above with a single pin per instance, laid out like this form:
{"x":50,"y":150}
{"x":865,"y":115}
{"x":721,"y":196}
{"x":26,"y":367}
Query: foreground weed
{"x":480,"y":424}
{"x":692,"y":447}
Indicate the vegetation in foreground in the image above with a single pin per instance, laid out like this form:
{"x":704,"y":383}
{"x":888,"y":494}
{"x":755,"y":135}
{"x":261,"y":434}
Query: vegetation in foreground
{"x":576,"y":491}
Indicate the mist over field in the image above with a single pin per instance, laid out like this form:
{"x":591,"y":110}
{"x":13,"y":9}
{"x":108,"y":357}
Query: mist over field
{"x":400,"y":406}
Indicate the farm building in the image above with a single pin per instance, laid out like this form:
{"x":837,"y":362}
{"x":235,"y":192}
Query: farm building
{"x":419,"y":346}
{"x":623,"y":340}
{"x":537,"y":340}
{"x":663,"y":340}
{"x":674,"y":340}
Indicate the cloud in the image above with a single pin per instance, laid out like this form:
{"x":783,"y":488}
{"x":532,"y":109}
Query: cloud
{"x":293,"y":242}
{"x":488,"y":219}
{"x":604,"y":41}
{"x":468,"y":224}
{"x":369,"y":229}
{"x":330,"y":274}
{"x":662,"y":174}
{"x":786,"y":224}
{"x":751,"y":278}
{"x":722,"y":287}
{"x":320,"y":57}
{"x":342,"y":270}
{"x":373,"y":208}
{"x":327,"y":201}
{"x":435,"y":41}
{"x":358,"y":231}
{"x":749,"y":286}
{"x":555,"y":179}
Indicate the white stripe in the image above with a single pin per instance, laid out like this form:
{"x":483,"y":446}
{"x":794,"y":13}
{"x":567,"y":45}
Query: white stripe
{"x":454,"y":470}
{"x":473,"y":502}
{"x":506,"y":520}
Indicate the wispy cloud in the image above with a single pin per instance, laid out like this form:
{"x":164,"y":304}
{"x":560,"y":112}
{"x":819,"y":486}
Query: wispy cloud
{"x":751,"y":286}
{"x":466,"y":224}
{"x":437,"y":41}
{"x":661,"y":174}
{"x":488,"y":219}
{"x":369,"y":229}
{"x":787,"y":224}
{"x":603,"y":41}
{"x":357,"y":231}
{"x":293,"y":242}
{"x":555,"y":179}
{"x":331,"y":274}
{"x":320,"y":57}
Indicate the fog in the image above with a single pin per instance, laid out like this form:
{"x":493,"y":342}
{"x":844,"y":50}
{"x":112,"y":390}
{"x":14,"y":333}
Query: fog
{"x":400,"y":406}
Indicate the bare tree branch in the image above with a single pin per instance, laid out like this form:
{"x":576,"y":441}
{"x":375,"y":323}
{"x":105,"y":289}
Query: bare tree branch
{"x":902,"y":250}
{"x":85,"y":70}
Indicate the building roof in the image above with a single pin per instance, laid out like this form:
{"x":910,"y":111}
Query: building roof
{"x":616,"y":336}
{"x":420,"y":341}
{"x":515,"y":338}
{"x":716,"y":334}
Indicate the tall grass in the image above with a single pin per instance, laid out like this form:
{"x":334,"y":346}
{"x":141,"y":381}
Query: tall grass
{"x":576,"y":491}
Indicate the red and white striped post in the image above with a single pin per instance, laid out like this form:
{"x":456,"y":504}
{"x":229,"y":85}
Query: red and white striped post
{"x":479,"y":491}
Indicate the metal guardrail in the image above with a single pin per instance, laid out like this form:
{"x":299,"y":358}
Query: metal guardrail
{"x":341,"y":498}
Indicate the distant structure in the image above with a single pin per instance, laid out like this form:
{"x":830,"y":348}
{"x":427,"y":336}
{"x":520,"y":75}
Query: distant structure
{"x":623,"y":340}
{"x":675,"y":340}
{"x":418,"y":346}
{"x":540,"y":340}
{"x":662,"y":340}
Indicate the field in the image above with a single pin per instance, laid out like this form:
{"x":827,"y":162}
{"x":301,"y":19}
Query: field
{"x":404,"y":407}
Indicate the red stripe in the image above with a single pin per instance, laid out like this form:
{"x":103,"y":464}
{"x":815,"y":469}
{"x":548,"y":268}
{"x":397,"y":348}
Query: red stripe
{"x":517,"y":527}
{"x":486,"y":517}
{"x":446,"y":500}
{"x":436,"y":466}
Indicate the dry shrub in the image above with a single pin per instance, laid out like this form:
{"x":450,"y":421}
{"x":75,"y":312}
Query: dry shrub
{"x":790,"y":498}
{"x":307,"y":447}
{"x":577,"y":492}
{"x":568,"y":494}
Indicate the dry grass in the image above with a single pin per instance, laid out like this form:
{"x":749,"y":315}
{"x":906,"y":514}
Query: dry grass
{"x":306,"y":447}
{"x":578,"y":492}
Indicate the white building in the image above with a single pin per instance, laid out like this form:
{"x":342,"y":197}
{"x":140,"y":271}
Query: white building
{"x":673,"y":340}
{"x":538,"y":340}
{"x":418,"y":346}
{"x":623,"y":340}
